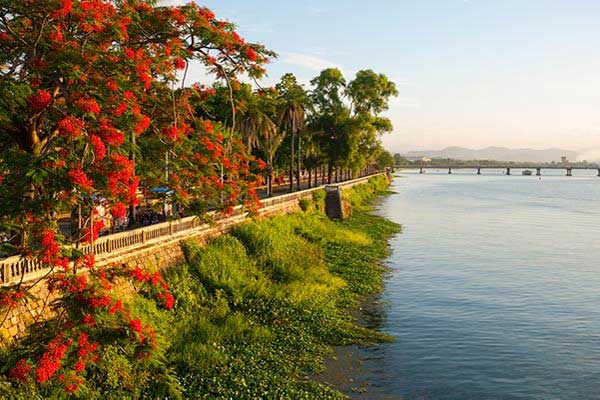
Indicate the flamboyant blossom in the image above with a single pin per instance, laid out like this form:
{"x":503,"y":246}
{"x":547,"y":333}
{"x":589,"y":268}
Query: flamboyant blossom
{"x":91,"y":85}
{"x":40,"y":100}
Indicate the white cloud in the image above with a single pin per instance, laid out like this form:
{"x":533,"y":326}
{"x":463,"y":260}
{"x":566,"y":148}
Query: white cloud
{"x":308,"y":61}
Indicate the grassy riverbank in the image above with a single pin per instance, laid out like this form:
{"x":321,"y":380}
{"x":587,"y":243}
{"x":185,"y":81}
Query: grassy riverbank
{"x":258,"y":310}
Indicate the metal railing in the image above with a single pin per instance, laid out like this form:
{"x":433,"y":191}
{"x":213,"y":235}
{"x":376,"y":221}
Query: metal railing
{"x":17,"y":269}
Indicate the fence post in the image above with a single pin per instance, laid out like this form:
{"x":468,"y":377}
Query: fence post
{"x":6,"y":272}
{"x":170,"y":228}
{"x":143,"y":236}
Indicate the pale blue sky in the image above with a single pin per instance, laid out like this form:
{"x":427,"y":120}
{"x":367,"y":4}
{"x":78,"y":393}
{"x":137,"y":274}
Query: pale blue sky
{"x":472,"y":73}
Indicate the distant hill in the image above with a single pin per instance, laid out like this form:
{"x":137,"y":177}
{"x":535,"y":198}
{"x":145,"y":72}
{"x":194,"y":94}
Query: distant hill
{"x":496,"y":153}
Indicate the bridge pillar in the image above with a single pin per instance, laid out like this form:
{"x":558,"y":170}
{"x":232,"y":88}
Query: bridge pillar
{"x":598,"y":171}
{"x":569,"y":172}
{"x":538,"y":172}
{"x":479,"y":171}
{"x":449,"y":170}
{"x":507,"y":171}
{"x":421,"y":170}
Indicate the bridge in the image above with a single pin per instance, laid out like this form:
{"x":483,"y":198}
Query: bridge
{"x":507,"y":168}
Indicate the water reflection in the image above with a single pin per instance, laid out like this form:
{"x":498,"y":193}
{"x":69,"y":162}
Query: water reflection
{"x":494,"y":290}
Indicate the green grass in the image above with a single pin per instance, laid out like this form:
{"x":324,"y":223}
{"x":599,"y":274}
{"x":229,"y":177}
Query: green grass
{"x":258,"y":310}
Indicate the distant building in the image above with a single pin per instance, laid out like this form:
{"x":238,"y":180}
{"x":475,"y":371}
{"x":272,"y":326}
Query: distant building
{"x":564,"y":160}
{"x":425,"y":159}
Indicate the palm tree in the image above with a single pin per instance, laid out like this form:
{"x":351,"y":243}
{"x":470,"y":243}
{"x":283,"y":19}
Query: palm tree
{"x":293,"y":104}
{"x":259,"y":130}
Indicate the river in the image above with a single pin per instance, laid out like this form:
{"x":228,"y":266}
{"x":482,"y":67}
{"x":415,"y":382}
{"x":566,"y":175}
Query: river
{"x":493,"y":292}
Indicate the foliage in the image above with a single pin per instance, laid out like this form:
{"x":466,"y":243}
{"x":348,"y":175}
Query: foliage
{"x":87,"y":106}
{"x":255,"y":312}
{"x":361,"y":196}
{"x":384,"y":160}
{"x":69,"y":352}
{"x":346,"y":121}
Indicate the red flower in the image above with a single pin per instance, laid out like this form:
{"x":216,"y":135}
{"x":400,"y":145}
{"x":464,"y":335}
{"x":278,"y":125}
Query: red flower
{"x":66,"y":7}
{"x":90,"y":235}
{"x":112,"y":85}
{"x":206,"y":14}
{"x":139,"y":275}
{"x":251,"y":54}
{"x":111,"y":135}
{"x":47,"y":367}
{"x":118,"y":210}
{"x":70,"y":126}
{"x":88,"y":320}
{"x":50,"y":361}
{"x":56,"y":36}
{"x":10,"y":298}
{"x":118,"y":306}
{"x":99,"y":147}
{"x":89,"y":261}
{"x":102,"y":301}
{"x":169,"y":301}
{"x":142,"y":124}
{"x":261,"y":164}
{"x":121,"y":109}
{"x":20,"y":371}
{"x":129,"y":53}
{"x":84,"y":346}
{"x":79,"y":365}
{"x":40,"y":100}
{"x":136,"y":325}
{"x":179,"y":63}
{"x":78,"y":177}
{"x":88,"y":105}
{"x":209,"y":127}
{"x":171,"y":133}
{"x":129,"y":95}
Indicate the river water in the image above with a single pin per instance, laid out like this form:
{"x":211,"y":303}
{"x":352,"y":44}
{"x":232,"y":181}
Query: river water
{"x":494,"y":289}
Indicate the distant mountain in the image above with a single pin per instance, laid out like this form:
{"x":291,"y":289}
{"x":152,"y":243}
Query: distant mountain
{"x":496,"y":153}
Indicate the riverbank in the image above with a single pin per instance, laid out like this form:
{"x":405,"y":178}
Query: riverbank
{"x":257,"y":311}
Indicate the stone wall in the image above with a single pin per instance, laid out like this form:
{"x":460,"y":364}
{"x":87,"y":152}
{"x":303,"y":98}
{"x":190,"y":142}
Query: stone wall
{"x":160,"y":253}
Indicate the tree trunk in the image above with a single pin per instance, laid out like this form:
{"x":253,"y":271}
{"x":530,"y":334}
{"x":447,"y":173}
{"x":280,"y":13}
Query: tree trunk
{"x":270,"y":178}
{"x":132,"y":216}
{"x":299,"y":157}
{"x":292,"y":159}
{"x":309,"y":178}
{"x":329,"y":173}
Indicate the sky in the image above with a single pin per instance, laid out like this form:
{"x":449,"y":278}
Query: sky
{"x":471,"y":73}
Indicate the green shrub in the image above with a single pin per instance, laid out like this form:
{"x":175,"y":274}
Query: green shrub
{"x":305,"y":205}
{"x":361,"y":196}
{"x":256,"y":311}
{"x":319,"y":199}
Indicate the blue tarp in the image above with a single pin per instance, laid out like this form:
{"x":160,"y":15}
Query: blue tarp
{"x":162,"y":190}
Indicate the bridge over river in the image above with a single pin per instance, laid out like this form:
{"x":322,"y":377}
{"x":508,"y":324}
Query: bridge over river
{"x":507,"y":168}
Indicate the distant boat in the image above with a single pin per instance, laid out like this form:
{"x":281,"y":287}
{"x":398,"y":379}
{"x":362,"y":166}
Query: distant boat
{"x":527,"y":172}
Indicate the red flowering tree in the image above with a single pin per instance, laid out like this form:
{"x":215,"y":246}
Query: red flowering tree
{"x":84,"y":85}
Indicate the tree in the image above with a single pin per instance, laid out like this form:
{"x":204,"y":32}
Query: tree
{"x":80,"y":82}
{"x":258,"y":122}
{"x":347,"y":120}
{"x":384,"y":159}
{"x":370,"y":92}
{"x":330,"y":121}
{"x":293,"y":105}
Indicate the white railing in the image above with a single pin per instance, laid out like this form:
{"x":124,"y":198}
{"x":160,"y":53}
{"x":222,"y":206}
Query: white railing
{"x":19,"y":269}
